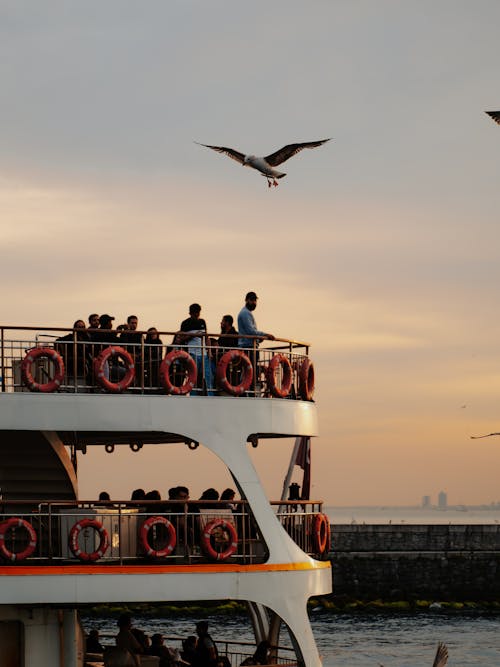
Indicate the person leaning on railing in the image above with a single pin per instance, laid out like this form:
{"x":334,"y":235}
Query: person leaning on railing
{"x":248,"y":327}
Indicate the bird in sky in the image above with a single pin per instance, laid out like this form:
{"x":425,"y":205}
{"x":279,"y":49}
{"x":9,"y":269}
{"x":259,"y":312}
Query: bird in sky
{"x":495,"y":115}
{"x":488,"y":435}
{"x":266,"y":164}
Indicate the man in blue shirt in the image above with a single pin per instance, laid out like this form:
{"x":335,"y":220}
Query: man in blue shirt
{"x":247,"y":325}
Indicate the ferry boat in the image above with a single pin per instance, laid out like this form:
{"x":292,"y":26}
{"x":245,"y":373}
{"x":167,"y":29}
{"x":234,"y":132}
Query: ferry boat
{"x":66,"y":390}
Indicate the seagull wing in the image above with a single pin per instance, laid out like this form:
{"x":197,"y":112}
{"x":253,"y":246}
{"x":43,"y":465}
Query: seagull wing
{"x":230,"y":152}
{"x":495,"y":115}
{"x":290,"y":150}
{"x":441,"y":656}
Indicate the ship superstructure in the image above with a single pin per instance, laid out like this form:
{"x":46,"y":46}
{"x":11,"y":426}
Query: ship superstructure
{"x":59,"y":553}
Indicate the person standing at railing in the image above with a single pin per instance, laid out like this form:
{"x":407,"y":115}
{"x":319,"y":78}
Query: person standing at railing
{"x":248,"y":327}
{"x":71,"y":343}
{"x":105,"y":337}
{"x":152,"y":357}
{"x":193,"y":333}
{"x":206,"y":649}
{"x":132,"y":341}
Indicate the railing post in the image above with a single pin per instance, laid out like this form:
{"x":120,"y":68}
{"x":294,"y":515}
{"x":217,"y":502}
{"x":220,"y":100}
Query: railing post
{"x":3,"y":360}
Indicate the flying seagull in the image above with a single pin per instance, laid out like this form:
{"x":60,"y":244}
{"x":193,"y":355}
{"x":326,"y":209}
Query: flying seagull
{"x":441,"y":657}
{"x":495,"y":115}
{"x":266,"y":164}
{"x":488,"y":435}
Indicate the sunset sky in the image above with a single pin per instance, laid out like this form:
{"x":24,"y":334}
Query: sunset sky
{"x":381,"y":248}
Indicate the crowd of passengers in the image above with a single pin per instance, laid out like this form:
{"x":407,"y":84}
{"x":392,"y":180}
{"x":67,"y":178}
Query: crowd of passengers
{"x":181,"y":494}
{"x":192,"y":336}
{"x":197,"y":651}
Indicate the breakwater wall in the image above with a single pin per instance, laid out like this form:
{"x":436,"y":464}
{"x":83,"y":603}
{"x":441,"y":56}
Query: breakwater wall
{"x":448,"y":562}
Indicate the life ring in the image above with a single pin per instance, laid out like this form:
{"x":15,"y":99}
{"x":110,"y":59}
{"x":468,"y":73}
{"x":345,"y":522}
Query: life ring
{"x":100,"y":363}
{"x":306,"y":380}
{"x":286,"y":382}
{"x":190,"y":366}
{"x":14,"y":522}
{"x":144,"y":537}
{"x":206,"y":542}
{"x":321,"y":535}
{"x":27,"y":375}
{"x":74,"y":534}
{"x":246,"y":376}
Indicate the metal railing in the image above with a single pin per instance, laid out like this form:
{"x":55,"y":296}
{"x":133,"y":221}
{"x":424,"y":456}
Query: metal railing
{"x":114,"y":533}
{"x":79,"y":348}
{"x":235,"y":651}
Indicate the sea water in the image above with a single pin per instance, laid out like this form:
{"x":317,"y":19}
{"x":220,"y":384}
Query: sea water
{"x":357,"y":640}
{"x":413,"y":515}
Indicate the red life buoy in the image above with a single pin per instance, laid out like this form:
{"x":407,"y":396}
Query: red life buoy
{"x":321,"y":535}
{"x":74,"y":534}
{"x":306,"y":380}
{"x":27,"y":375}
{"x":100,"y":363}
{"x":286,"y":381}
{"x":206,"y":542}
{"x":14,"y":522}
{"x":190,"y":366}
{"x":144,"y":537}
{"x":246,"y":375}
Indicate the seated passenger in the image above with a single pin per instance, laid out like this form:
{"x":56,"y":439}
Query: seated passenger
{"x":66,"y":345}
{"x":168,"y":657}
{"x":126,"y":640}
{"x":153,"y":351}
{"x":261,"y":655}
{"x":138,"y":494}
{"x":208,"y":494}
{"x":228,"y":496}
{"x":93,"y":645}
{"x":188,"y":652}
{"x":206,"y":649}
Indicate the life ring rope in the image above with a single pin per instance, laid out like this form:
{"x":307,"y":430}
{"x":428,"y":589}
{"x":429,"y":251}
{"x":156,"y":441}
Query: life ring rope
{"x":247,"y":372}
{"x":206,"y":539}
{"x":74,"y":534}
{"x":102,"y":360}
{"x":279,"y":361}
{"x":144,"y":537}
{"x":190,"y":367}
{"x":15,"y":522}
{"x":27,"y":374}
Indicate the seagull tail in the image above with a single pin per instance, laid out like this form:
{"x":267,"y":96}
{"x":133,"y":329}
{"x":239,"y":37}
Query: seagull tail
{"x":280,"y":175}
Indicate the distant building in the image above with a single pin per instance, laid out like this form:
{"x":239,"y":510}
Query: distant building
{"x":442,"y":500}
{"x":426,"y":501}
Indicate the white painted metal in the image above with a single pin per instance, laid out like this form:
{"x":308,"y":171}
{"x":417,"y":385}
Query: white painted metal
{"x":223,"y":425}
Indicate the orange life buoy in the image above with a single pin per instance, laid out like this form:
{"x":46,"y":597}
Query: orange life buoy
{"x":27,"y":375}
{"x":74,"y":534}
{"x":286,"y":381}
{"x":306,"y":380}
{"x":100,"y":363}
{"x":246,"y":376}
{"x":27,"y":551}
{"x":206,"y":541}
{"x":190,"y":366}
{"x":321,"y":535}
{"x":144,"y":537}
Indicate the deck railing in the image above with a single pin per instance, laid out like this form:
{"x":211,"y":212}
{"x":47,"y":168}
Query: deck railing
{"x":132,"y":532}
{"x":276,"y":367}
{"x":235,"y":651}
